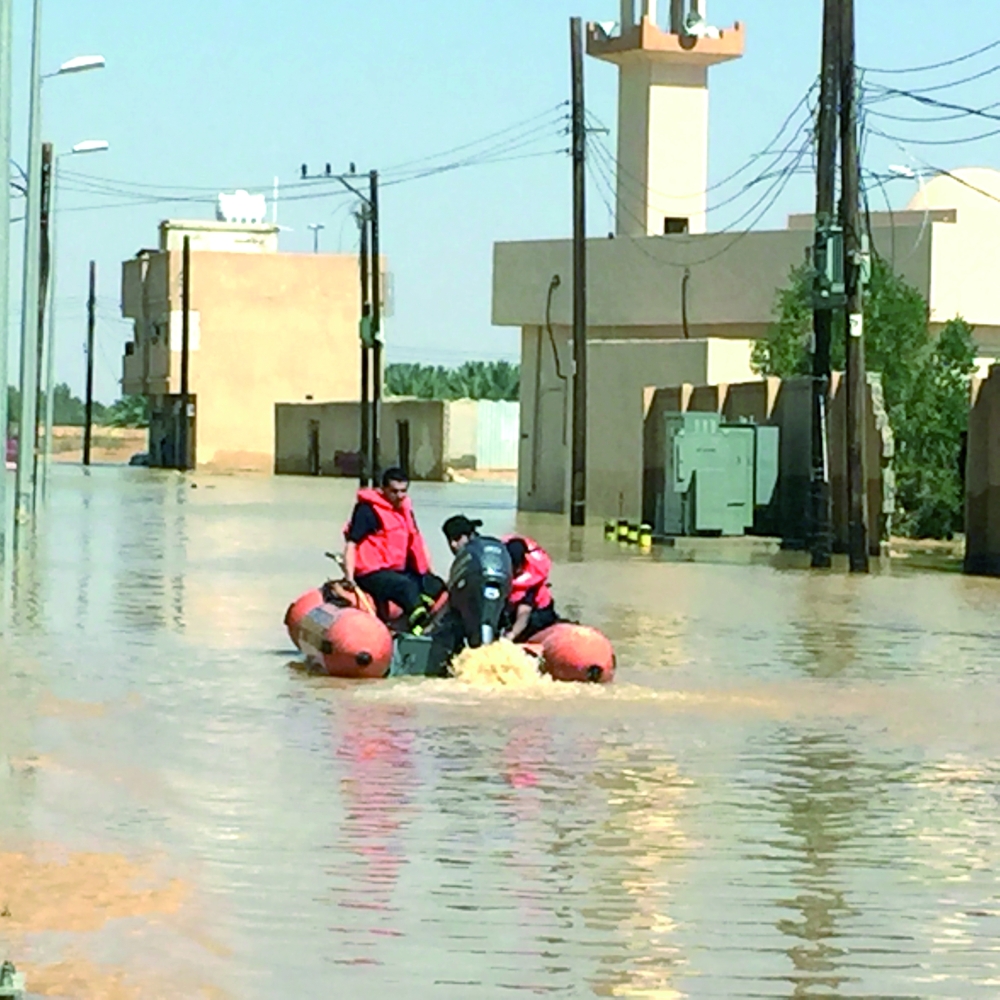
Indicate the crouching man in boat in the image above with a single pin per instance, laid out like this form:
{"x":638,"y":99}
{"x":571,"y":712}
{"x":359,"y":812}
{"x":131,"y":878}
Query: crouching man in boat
{"x":385,"y":554}
{"x":530,"y":607}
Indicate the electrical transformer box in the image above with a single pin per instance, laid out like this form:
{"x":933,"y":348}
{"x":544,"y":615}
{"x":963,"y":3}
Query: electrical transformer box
{"x":717,"y":475}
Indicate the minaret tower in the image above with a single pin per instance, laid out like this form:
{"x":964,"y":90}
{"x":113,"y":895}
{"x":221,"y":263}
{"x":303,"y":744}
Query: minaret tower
{"x":663,"y":113}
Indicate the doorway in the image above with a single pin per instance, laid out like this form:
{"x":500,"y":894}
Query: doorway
{"x":313,"y":458}
{"x":403,"y":444}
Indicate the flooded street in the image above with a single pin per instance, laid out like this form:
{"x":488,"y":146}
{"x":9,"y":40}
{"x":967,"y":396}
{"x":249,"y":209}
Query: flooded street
{"x":792,"y":789}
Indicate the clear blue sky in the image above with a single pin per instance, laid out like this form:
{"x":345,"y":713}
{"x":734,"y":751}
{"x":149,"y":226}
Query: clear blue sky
{"x":223,"y":94}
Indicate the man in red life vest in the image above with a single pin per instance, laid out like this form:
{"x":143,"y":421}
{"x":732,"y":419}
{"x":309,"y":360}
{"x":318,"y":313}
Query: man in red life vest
{"x":384,"y":552}
{"x":530,"y":607}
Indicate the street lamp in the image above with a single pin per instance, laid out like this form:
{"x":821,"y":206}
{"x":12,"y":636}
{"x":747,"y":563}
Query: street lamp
{"x":87,"y":146}
{"x":77,"y":65}
{"x":315,"y":227}
{"x":25,"y":481}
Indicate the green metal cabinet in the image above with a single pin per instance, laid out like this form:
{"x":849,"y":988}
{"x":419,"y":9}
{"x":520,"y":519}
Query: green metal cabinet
{"x":716,"y":475}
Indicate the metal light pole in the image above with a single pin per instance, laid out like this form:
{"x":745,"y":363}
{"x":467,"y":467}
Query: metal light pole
{"x":315,"y":227}
{"x":24,"y":495}
{"x":24,"y":486}
{"x":87,"y":146}
{"x":5,"y":112}
{"x":578,"y":488}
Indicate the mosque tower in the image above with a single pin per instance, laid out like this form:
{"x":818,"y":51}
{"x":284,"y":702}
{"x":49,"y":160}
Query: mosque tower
{"x":663,"y":112}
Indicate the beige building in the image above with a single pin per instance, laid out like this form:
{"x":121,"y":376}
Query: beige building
{"x":669,"y":303}
{"x":265,"y":327}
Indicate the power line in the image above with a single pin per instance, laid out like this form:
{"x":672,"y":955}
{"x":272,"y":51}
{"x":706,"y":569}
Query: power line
{"x":940,"y":65}
{"x":940,"y":170}
{"x":946,"y":105}
{"x":765,"y":203}
{"x":955,"y":83}
{"x":767,"y":151}
{"x":925,"y":120}
{"x":961,"y":141}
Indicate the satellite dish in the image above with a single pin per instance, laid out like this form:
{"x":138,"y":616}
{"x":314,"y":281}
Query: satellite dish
{"x":606,"y":28}
{"x":696,"y":26}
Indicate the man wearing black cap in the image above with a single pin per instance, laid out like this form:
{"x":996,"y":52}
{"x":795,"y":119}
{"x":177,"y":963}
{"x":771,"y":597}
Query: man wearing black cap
{"x":460,"y":530}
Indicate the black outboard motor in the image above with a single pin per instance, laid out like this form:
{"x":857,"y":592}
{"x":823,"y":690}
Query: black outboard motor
{"x":478,"y":588}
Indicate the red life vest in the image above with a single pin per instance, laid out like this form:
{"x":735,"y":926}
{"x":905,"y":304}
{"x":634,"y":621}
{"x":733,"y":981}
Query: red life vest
{"x":534,"y":574}
{"x":397,"y":546}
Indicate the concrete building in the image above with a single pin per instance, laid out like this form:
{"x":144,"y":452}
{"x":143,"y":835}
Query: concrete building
{"x":265,"y":327}
{"x":668,"y":302}
{"x":425,"y":437}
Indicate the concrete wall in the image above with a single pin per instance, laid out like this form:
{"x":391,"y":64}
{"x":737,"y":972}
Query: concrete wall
{"x":266,"y":328}
{"x":230,"y":237}
{"x":497,"y":434}
{"x":461,"y":418}
{"x":636,"y":283}
{"x":982,"y":478}
{"x":338,"y":426}
{"x":618,"y":371}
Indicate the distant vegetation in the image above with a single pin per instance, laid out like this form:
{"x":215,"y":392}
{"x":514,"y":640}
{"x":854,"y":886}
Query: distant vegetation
{"x":497,"y":380}
{"x":68,"y":410}
{"x":925,"y":381}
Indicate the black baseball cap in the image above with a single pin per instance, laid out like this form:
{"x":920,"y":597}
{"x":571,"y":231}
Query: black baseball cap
{"x":458,"y":526}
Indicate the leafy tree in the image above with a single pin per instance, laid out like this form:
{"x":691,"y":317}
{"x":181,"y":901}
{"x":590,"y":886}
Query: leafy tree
{"x":67,"y":410}
{"x":129,"y":411}
{"x":497,"y":380}
{"x":925,"y":383}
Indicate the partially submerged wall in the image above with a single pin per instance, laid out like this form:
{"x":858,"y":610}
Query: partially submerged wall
{"x":982,"y":478}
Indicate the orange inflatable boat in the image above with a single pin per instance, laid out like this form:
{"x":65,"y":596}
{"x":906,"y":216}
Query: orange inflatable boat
{"x":345,"y":638}
{"x":342,"y":638}
{"x":571,"y":652}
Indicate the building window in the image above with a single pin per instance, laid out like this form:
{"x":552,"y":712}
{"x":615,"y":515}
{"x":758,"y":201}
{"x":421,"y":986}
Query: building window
{"x":673,"y":225}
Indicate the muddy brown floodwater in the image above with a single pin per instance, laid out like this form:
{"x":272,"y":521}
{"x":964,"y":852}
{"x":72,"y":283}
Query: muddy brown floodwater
{"x":792,"y":790}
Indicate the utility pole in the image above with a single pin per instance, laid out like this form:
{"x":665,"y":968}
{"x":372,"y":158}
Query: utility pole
{"x":183,"y":462}
{"x":365,"y":340}
{"x":24,"y":498}
{"x":827,"y":253}
{"x":578,"y":497}
{"x":88,"y":419}
{"x":43,"y":287}
{"x":376,"y":326}
{"x":854,"y":268}
{"x":6,"y":45}
{"x":315,"y":227}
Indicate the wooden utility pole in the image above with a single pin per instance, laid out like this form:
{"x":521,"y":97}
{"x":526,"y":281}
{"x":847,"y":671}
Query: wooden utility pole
{"x":826,"y":246}
{"x":88,"y":418}
{"x":364,"y":476}
{"x":578,"y":496}
{"x":376,"y":327}
{"x":183,"y":458}
{"x":854,"y":266}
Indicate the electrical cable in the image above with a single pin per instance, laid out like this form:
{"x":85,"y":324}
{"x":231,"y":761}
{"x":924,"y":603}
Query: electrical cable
{"x":767,"y":151}
{"x":940,"y":65}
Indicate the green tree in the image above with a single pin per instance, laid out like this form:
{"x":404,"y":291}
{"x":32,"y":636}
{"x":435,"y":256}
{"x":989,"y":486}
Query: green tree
{"x":497,"y":380}
{"x":129,"y":411}
{"x":925,"y":383}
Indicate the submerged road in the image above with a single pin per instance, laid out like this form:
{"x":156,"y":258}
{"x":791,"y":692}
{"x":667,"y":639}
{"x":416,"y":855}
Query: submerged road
{"x":792,"y":790}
